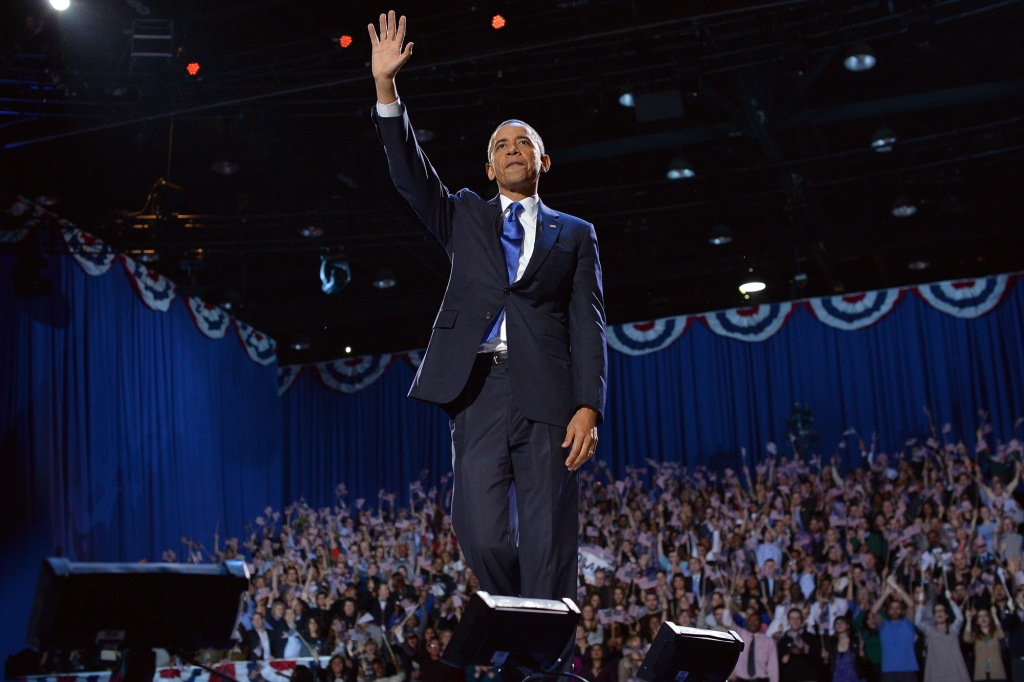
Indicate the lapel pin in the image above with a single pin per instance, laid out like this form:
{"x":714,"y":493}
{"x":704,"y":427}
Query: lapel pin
{"x":551,"y":225}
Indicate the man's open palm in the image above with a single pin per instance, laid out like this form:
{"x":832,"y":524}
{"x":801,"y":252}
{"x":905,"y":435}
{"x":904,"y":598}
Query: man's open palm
{"x":388,"y":55}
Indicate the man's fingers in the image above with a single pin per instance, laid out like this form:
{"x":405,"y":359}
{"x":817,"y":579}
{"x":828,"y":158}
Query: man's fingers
{"x":392,"y":29}
{"x":373,"y":34}
{"x":569,"y":433}
{"x":383,"y":27}
{"x":400,"y":33}
{"x":574,"y":452}
{"x":407,"y":52}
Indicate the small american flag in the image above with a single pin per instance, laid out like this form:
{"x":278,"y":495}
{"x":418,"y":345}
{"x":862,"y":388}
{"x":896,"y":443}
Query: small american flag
{"x":604,"y":617}
{"x":634,"y":611}
{"x":646,"y":583}
{"x":1018,"y":577}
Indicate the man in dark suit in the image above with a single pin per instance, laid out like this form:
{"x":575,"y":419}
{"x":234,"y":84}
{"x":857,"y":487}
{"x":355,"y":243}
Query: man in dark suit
{"x":517,"y":355}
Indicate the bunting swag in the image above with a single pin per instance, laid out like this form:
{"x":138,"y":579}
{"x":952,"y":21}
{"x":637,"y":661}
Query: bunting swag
{"x":353,"y":374}
{"x":286,"y":376}
{"x":965,"y":299}
{"x":156,"y":291}
{"x":646,"y":337}
{"x":855,"y":311}
{"x":755,"y":323}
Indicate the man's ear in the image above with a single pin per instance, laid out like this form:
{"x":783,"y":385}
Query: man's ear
{"x":489,"y":170}
{"x":545,"y":163}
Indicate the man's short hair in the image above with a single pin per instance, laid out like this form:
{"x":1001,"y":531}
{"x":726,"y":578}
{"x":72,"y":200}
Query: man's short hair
{"x":530,"y":130}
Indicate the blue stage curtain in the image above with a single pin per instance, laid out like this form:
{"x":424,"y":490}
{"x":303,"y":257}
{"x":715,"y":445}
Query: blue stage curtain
{"x":121,"y":430}
{"x":704,"y":397}
{"x":373,"y":439}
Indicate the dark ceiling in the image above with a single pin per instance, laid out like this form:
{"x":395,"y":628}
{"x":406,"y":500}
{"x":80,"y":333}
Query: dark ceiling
{"x":776,"y":129}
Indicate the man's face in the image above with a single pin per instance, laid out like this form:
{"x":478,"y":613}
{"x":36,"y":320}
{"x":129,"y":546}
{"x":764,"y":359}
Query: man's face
{"x":895,"y":610}
{"x":796,"y":620}
{"x":651,"y":602}
{"x":515,"y":163}
{"x":257,"y":621}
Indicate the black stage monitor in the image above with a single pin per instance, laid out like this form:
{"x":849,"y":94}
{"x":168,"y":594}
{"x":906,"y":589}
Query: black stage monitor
{"x":179,"y":607}
{"x":528,"y":632}
{"x":681,"y":654}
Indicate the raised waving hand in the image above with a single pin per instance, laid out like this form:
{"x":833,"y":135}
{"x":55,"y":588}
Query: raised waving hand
{"x":388,"y":55}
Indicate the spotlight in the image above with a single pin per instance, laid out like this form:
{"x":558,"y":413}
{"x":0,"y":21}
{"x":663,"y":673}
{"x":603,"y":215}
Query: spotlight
{"x":300,"y":342}
{"x":385,"y":280}
{"x":679,"y":169}
{"x":224,"y":167}
{"x":345,"y":41}
{"x":335,"y":274}
{"x":348,"y":349}
{"x":60,"y":5}
{"x":919,"y":264}
{"x":497,"y":22}
{"x":145,"y":255}
{"x":751,"y":287}
{"x":883,"y":140}
{"x":626,"y":100}
{"x":800,"y":277}
{"x":720,"y":235}
{"x":192,"y":68}
{"x":903,"y":208}
{"x":311,"y":232}
{"x":860,"y":58}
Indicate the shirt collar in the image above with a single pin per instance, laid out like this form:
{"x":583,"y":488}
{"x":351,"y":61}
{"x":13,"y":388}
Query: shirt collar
{"x":529,"y":205}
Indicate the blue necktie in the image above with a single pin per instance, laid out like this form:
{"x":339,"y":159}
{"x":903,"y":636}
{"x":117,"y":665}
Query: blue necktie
{"x":512,"y":233}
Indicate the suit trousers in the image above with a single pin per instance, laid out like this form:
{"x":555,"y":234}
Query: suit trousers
{"x":515,"y":505}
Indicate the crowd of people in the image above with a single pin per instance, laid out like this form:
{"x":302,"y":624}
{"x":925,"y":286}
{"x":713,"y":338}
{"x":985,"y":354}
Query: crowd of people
{"x":903,"y":567}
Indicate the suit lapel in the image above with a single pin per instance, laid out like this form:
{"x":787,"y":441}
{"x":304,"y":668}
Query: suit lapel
{"x":492,"y":218}
{"x":548,"y":227}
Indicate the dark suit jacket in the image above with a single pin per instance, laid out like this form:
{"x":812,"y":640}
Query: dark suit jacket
{"x":555,"y":318}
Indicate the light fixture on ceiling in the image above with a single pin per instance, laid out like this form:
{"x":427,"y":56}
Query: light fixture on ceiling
{"x":751,"y":287}
{"x":720,"y":235}
{"x":385,"y":280}
{"x":860,"y":58}
{"x":145,"y":255}
{"x":60,"y":5}
{"x":903,"y":207}
{"x":679,"y":169}
{"x":224,"y":167}
{"x":800,"y":277}
{"x":311,"y":232}
{"x":335,"y":274}
{"x":300,"y":342}
{"x":626,"y":99}
{"x":348,"y":350}
{"x":883,"y":140}
{"x":917,"y":263}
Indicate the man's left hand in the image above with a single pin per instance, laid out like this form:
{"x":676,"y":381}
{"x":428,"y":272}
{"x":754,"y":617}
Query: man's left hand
{"x":582,"y":434}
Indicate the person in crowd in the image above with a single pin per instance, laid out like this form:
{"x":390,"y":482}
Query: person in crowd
{"x":759,"y":661}
{"x":986,"y":634}
{"x":943,"y":662}
{"x":897,"y":635}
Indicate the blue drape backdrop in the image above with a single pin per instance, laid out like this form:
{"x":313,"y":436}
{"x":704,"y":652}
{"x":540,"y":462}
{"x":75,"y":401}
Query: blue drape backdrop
{"x":123,"y":429}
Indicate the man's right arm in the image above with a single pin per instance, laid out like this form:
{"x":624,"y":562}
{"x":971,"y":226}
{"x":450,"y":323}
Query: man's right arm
{"x":414,"y":177}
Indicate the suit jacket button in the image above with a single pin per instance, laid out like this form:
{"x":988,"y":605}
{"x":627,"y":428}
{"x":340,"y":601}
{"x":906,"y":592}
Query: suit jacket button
{"x":507,"y":290}
{"x":487,"y":315}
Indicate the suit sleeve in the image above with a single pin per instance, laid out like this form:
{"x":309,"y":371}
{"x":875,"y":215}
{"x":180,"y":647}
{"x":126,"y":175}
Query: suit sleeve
{"x":586,"y":328}
{"x":414,"y":177}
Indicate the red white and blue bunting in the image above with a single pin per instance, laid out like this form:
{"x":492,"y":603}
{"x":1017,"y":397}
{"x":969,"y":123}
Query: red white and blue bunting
{"x":754,"y":323}
{"x":640,"y":338}
{"x":286,"y":376}
{"x":414,"y":358}
{"x":966,"y":298}
{"x":156,"y":291}
{"x":261,"y":348}
{"x":352,"y":374}
{"x":855,"y":311}
{"x":213,"y":321}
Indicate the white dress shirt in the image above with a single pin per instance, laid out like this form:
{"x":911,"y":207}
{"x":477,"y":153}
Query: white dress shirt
{"x":528,"y":219}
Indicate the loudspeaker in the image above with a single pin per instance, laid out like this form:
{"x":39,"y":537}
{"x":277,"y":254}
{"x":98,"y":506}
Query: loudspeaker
{"x":529,"y":632}
{"x":681,"y":654}
{"x":179,"y":607}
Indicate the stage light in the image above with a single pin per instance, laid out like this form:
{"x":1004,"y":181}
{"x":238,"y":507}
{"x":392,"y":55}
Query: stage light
{"x":300,"y":342}
{"x":385,"y":280}
{"x":348,"y":349}
{"x":626,"y":100}
{"x":903,"y":208}
{"x":751,"y":287}
{"x":60,"y":5}
{"x":679,"y":169}
{"x":497,"y":22}
{"x":335,"y":274}
{"x":311,"y":232}
{"x":883,"y":140}
{"x":145,"y":255}
{"x":192,"y":68}
{"x":345,"y":41}
{"x":919,"y":264}
{"x":720,"y":235}
{"x":224,"y":167}
{"x":800,"y":277}
{"x":859,"y":58}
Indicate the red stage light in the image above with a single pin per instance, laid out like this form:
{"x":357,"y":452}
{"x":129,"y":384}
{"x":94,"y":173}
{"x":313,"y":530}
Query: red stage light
{"x":345,"y":41}
{"x":498,"y":21}
{"x":192,"y":68}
